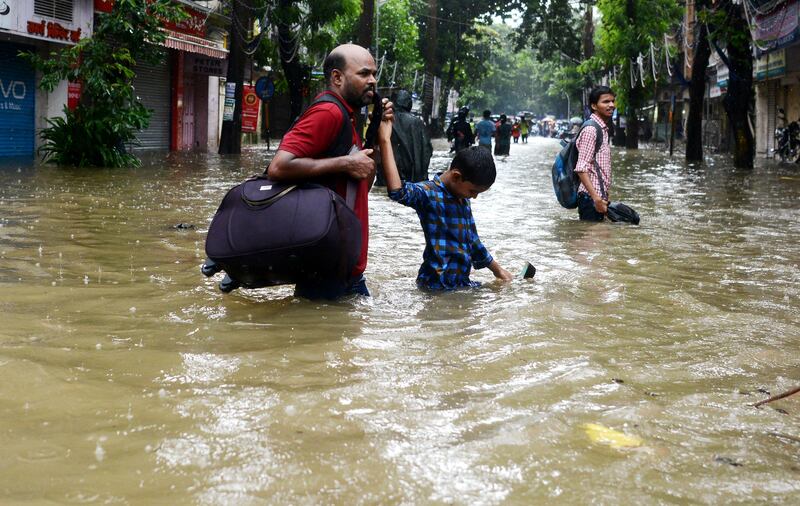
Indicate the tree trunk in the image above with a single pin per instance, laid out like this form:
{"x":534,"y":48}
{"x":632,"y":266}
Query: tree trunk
{"x":288,"y":47}
{"x":697,"y":90}
{"x":740,"y":93}
{"x":366,"y":24}
{"x":230,"y":141}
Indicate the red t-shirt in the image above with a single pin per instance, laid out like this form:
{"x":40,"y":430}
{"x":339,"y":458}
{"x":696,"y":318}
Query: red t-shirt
{"x":311,"y":137}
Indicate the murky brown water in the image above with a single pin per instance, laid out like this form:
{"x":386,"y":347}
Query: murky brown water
{"x":126,"y":377}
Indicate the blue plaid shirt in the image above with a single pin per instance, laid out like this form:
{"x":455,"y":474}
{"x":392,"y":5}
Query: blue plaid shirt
{"x":452,"y":244}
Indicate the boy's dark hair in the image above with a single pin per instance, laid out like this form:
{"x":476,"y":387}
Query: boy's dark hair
{"x":487,"y":113}
{"x":334,"y":60}
{"x":597,"y":92}
{"x":476,"y":165}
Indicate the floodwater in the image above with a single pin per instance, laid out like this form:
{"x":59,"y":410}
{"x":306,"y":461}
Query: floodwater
{"x":126,"y":377}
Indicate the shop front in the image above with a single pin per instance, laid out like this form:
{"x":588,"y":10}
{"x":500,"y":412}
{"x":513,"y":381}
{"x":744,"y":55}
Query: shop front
{"x":39,"y":26}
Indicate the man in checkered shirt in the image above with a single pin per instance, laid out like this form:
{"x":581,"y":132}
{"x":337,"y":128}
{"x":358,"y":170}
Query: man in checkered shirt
{"x":594,"y":192}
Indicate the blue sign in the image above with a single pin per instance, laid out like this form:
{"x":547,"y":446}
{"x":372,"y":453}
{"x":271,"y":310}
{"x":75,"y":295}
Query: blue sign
{"x":265,"y":88}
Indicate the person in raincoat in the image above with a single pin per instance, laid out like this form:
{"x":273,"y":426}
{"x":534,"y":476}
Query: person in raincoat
{"x":412,"y":146}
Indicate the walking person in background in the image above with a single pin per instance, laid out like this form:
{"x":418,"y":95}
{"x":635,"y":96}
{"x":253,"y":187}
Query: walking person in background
{"x":412,"y":146}
{"x":515,"y":131}
{"x":485,"y":130}
{"x":460,"y":131}
{"x":524,"y":129}
{"x":594,"y":158}
{"x":502,"y":145}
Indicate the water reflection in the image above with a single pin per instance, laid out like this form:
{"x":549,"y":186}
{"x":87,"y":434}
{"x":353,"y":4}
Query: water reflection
{"x":125,"y":376}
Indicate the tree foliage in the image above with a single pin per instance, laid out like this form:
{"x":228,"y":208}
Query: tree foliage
{"x":109,"y":114}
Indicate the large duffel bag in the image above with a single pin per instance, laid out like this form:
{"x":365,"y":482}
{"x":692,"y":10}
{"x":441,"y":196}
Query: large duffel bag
{"x":266,"y":233}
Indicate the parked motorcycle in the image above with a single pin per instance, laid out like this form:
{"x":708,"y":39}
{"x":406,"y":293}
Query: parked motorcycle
{"x":787,"y":142}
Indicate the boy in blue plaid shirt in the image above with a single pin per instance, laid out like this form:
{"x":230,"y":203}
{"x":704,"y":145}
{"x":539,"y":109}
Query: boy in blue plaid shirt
{"x":452,"y":245}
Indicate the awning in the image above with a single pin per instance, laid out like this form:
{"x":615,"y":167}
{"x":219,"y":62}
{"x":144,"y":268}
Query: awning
{"x":192,"y":44}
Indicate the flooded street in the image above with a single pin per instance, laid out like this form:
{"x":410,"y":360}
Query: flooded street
{"x":126,"y":377}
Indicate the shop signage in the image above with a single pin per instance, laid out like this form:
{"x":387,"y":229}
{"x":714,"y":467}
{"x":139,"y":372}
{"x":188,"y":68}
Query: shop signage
{"x":230,"y":102}
{"x":250,"y":108}
{"x":53,"y":30}
{"x":722,"y":76}
{"x":11,"y":92}
{"x":19,"y":18}
{"x":206,"y":66}
{"x":769,"y":65}
{"x":73,"y":95}
{"x":778,"y":28}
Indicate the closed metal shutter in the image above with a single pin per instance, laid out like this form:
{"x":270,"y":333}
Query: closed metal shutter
{"x":152,"y":85}
{"x":17,"y":103}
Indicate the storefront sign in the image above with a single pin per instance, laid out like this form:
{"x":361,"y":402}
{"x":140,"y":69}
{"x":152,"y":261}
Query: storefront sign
{"x":722,"y":76}
{"x":73,"y":95}
{"x":12,"y":93}
{"x":18,"y":17}
{"x":230,"y":102}
{"x":205,"y":65}
{"x":769,"y":65}
{"x":53,"y":30}
{"x":250,"y":107}
{"x":778,"y":28}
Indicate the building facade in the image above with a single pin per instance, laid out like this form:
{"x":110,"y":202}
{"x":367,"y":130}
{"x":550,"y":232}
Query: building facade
{"x":38,"y":26}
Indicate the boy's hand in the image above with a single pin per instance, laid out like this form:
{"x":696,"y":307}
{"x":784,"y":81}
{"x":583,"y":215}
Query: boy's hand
{"x":499,"y":272}
{"x":385,"y":129}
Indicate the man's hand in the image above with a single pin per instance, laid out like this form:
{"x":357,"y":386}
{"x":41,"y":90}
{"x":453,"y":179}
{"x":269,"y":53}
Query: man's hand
{"x":360,"y":165}
{"x":601,"y":206}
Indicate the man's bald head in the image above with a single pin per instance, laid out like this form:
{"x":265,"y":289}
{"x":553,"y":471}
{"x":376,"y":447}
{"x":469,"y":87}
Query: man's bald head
{"x":339,"y":56}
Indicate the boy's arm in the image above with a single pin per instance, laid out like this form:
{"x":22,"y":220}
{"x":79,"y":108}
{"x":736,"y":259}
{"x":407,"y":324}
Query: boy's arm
{"x":499,"y":272}
{"x":482,"y":258}
{"x":393,"y":182}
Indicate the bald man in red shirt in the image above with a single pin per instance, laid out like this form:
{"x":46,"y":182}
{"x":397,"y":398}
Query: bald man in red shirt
{"x":350,"y":72}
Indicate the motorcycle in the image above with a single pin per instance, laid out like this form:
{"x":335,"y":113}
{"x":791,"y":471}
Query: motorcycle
{"x":787,"y":142}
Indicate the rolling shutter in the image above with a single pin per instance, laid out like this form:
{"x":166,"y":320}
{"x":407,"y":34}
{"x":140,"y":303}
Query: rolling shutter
{"x":152,"y":85}
{"x":17,"y":103}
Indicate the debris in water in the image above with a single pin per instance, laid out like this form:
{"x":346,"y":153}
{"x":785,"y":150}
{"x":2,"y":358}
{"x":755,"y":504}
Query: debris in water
{"x":183,"y":226}
{"x":600,"y":434}
{"x":727,"y":460}
{"x":617,"y":380}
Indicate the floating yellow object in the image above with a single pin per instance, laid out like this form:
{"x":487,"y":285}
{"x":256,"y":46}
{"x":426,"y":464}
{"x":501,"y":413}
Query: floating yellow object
{"x":613,"y":438}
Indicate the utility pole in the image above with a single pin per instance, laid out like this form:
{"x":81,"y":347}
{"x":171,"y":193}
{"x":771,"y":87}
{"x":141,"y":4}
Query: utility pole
{"x":230,"y":141}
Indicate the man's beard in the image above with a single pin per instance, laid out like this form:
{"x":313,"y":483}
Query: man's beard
{"x":357,"y":98}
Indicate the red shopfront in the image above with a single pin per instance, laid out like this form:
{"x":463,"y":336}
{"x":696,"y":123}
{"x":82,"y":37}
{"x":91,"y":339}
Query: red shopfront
{"x":177,"y":90}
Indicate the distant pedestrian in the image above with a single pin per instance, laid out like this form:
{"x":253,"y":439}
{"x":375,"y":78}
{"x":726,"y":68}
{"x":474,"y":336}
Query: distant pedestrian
{"x":485,"y":130}
{"x":594,"y":164}
{"x":502,"y":146}
{"x":515,"y":132}
{"x":460,"y":131}
{"x":524,"y":129}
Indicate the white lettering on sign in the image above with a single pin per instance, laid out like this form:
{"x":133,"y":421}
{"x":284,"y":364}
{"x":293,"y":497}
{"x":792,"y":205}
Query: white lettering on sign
{"x":266,"y":187}
{"x":16,"y":89}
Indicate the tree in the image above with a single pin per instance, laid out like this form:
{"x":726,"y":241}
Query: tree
{"x":727,"y":25}
{"x":628,"y":29}
{"x":697,"y":86}
{"x":230,"y":139}
{"x":108,"y":115}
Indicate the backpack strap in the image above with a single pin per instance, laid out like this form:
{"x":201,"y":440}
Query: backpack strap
{"x":598,"y":142}
{"x":342,"y":145}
